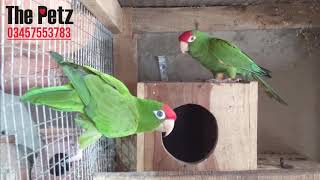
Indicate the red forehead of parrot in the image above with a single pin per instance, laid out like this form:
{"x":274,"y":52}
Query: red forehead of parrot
{"x":170,"y":114}
{"x":185,"y":36}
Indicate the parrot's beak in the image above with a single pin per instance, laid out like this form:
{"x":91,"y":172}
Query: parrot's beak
{"x":168,"y":124}
{"x":184,"y":47}
{"x":166,"y":127}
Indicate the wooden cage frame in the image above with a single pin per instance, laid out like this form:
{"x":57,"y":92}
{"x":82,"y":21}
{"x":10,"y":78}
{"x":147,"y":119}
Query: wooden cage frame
{"x":127,"y":23}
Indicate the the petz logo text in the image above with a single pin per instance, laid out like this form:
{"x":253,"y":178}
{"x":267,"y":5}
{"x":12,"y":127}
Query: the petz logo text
{"x":53,"y":24}
{"x":26,"y":16}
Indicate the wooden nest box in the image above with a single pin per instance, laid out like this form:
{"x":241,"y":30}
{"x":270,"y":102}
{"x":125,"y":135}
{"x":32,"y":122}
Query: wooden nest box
{"x":216,"y":128}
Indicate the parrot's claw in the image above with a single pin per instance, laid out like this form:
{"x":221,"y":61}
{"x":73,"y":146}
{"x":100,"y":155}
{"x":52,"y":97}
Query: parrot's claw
{"x":218,"y":81}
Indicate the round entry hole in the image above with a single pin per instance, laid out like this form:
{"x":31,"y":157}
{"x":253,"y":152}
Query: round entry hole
{"x":194,"y":136}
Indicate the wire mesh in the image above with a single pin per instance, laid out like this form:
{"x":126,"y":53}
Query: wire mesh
{"x":35,"y":141}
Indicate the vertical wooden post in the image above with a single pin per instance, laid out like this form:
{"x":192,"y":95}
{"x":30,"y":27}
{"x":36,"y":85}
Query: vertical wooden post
{"x":125,"y":69}
{"x":119,"y":22}
{"x":125,"y":54}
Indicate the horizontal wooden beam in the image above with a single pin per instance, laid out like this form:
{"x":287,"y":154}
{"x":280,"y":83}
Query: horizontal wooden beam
{"x":215,"y":175}
{"x":221,"y":18}
{"x":109,"y":12}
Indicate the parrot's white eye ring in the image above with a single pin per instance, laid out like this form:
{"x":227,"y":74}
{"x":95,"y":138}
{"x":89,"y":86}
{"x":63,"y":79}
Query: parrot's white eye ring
{"x":160,"y":114}
{"x":192,"y":38}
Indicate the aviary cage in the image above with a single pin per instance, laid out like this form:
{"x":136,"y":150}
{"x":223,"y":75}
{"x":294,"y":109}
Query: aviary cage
{"x":124,"y":38}
{"x":35,"y":141}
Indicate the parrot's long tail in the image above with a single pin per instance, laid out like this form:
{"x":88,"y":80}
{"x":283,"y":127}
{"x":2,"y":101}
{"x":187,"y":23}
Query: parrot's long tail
{"x":61,"y":98}
{"x":266,"y":72}
{"x":272,"y":93}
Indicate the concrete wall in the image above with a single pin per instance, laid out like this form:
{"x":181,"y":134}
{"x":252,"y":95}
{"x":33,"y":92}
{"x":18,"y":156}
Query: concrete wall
{"x":293,"y":56}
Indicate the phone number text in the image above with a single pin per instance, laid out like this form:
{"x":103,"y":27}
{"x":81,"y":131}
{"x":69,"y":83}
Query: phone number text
{"x":40,"y":33}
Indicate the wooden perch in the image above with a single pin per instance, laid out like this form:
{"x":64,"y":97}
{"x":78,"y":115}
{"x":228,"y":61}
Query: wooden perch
{"x":257,"y":174}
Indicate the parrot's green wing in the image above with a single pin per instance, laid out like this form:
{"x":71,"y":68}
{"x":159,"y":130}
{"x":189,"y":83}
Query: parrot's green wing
{"x":108,"y":103}
{"x":75,"y":74}
{"x":110,"y":80}
{"x":232,"y":56}
{"x":114,"y":114}
{"x":91,"y":135}
{"x":62,"y":98}
{"x":118,"y":113}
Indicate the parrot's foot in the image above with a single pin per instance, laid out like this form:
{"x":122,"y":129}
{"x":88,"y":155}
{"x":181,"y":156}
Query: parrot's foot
{"x":229,"y":80}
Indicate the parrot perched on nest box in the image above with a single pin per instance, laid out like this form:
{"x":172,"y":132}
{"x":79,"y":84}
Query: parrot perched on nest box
{"x":223,"y":58}
{"x":105,"y":104}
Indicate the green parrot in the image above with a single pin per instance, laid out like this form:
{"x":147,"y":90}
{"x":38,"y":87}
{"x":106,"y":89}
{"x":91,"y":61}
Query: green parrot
{"x":104,"y":104}
{"x":223,"y":58}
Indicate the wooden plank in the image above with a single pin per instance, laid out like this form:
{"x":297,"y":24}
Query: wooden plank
{"x":237,"y":146}
{"x":271,"y":160}
{"x":197,"y":3}
{"x":140,"y":152}
{"x":235,"y":108}
{"x":252,"y":92}
{"x":311,"y":174}
{"x":125,"y":69}
{"x":140,"y":137}
{"x":125,"y":55}
{"x":108,"y":12}
{"x":125,"y":63}
{"x":149,"y":155}
{"x":221,"y":18}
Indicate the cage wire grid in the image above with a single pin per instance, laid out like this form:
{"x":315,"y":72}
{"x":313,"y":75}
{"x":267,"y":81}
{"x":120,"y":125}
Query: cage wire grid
{"x":36,"y":141}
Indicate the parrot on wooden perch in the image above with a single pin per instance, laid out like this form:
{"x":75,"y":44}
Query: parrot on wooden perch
{"x":223,"y":58}
{"x":105,"y":104}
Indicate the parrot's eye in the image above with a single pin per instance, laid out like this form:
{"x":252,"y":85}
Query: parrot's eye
{"x":159,"y":114}
{"x":192,"y":38}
